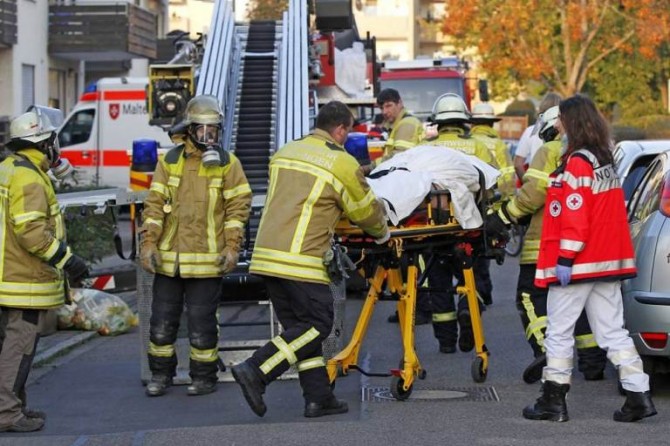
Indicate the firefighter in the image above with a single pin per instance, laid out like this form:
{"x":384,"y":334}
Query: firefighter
{"x":585,"y":252}
{"x":482,"y":120}
{"x":35,"y":257}
{"x":406,"y":132}
{"x":193,"y":224}
{"x":313,"y":183}
{"x":531,"y":301}
{"x":452,"y":117}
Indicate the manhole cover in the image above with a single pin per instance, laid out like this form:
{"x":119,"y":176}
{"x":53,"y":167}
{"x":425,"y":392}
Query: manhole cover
{"x":383,"y":394}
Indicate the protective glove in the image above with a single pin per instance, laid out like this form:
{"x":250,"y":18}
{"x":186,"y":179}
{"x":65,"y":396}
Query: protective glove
{"x":384,"y":238}
{"x":76,"y":268}
{"x":228,"y":259}
{"x":496,"y":225}
{"x":563,"y":273}
{"x":366,"y":169}
{"x":150,"y":258}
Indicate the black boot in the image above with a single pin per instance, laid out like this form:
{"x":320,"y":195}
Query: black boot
{"x":466,"y":339}
{"x":638,"y":405}
{"x":331,"y":407}
{"x":533,"y":372}
{"x":551,"y":404}
{"x":253,"y":387}
{"x":201,"y":387}
{"x":158,"y":385}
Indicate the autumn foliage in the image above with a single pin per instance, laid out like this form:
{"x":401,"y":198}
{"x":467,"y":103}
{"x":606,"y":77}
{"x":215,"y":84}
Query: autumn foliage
{"x":555,"y":42}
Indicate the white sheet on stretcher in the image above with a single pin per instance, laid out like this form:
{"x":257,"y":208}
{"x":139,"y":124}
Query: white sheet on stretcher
{"x":404,"y":190}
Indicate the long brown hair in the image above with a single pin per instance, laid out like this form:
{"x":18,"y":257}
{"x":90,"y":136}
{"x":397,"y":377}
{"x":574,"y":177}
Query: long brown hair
{"x":586,"y":128}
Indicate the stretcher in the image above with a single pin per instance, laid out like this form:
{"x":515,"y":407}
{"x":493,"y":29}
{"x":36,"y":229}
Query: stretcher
{"x":432,"y":230}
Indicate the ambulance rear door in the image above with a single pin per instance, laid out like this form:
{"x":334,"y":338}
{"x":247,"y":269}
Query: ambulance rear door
{"x":79,"y":139}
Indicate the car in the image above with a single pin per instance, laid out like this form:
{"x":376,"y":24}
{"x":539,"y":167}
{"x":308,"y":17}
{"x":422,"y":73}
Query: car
{"x":631,"y":158}
{"x":646,"y":297}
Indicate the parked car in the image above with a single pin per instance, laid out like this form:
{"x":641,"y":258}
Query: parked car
{"x":631,"y":159}
{"x":647,"y":297}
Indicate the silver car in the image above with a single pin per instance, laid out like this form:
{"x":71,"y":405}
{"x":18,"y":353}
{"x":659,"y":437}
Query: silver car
{"x":631,"y":159}
{"x":647,"y":297}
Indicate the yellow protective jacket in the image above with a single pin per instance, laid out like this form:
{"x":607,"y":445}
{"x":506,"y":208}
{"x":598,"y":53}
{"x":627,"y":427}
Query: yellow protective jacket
{"x":313,"y":182}
{"x":456,"y":138}
{"x":498,"y":149}
{"x":192,"y":212}
{"x":33,"y":234}
{"x":530,"y":198}
{"x":406,"y":133}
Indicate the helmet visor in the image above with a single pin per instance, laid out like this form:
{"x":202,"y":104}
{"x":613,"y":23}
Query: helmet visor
{"x":49,"y":118}
{"x":206,"y":133}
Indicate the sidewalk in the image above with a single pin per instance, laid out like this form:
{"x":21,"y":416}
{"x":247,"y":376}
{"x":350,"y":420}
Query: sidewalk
{"x":62,"y":341}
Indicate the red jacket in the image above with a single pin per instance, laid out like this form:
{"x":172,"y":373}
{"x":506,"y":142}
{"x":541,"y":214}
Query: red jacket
{"x":585,"y":224}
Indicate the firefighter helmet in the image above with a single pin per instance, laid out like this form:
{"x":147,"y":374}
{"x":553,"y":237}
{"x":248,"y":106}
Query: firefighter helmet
{"x":450,"y":107}
{"x":484,"y":112}
{"x":37,"y":124}
{"x":203,"y":109}
{"x":547,"y":124}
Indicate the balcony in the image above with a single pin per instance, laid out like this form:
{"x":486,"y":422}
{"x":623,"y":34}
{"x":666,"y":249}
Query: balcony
{"x":7,"y":23}
{"x":113,"y":32}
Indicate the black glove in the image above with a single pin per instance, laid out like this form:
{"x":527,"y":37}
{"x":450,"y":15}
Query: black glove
{"x":496,"y":226}
{"x":76,"y":268}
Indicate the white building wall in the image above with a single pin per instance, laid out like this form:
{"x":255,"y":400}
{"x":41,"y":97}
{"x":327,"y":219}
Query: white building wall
{"x":193,"y":16}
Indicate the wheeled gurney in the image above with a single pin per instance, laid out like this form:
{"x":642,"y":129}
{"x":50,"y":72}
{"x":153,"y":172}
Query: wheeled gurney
{"x":432,"y":230}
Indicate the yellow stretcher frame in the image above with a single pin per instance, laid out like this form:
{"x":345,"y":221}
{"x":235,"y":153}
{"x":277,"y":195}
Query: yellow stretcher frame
{"x":399,"y":248}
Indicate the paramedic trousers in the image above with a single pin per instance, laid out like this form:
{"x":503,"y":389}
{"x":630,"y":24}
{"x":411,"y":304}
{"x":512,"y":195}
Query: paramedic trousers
{"x":201,"y":297}
{"x":531,"y":302}
{"x":305,"y":311}
{"x":19,"y":332}
{"x":442,"y":294}
{"x":604,"y":308}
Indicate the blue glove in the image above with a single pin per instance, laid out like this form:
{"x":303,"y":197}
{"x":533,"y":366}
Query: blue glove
{"x":563,"y":273}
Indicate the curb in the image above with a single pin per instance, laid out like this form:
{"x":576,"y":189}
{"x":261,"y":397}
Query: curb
{"x":63,"y":347}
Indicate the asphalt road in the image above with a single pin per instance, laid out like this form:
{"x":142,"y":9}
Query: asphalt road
{"x":94,"y":396}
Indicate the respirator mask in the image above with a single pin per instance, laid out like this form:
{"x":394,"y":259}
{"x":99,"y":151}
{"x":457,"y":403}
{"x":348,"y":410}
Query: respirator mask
{"x":60,"y":167}
{"x":206,"y":138}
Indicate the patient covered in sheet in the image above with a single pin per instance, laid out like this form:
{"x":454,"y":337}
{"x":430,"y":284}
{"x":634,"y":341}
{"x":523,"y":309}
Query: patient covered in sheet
{"x":404,"y":181}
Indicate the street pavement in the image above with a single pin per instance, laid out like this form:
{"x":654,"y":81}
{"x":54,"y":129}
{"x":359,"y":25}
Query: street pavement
{"x":93,"y":395}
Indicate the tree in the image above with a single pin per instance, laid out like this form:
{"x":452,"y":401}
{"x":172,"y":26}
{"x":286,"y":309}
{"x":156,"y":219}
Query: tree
{"x":267,"y":9}
{"x":556,"y":42}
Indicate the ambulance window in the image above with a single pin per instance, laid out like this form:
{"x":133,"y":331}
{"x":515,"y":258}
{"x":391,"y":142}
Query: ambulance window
{"x":77,"y":129}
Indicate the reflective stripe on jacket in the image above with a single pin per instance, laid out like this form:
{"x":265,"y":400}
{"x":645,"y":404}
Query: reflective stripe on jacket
{"x":313,"y":182}
{"x":406,"y":133}
{"x":585,"y":224}
{"x":456,"y":138}
{"x":498,"y":150}
{"x":32,"y":234}
{"x":531,"y":197}
{"x":192,"y":212}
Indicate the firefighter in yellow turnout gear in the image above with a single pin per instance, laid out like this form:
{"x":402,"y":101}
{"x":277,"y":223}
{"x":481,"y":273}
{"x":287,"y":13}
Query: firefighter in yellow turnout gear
{"x":313,"y":183}
{"x":193,"y":225}
{"x":532,"y":301}
{"x":35,"y":257}
{"x":452,"y":116}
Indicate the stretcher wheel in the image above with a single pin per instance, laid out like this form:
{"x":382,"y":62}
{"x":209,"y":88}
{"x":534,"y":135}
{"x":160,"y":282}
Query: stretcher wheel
{"x":477,"y":370}
{"x":422,"y":374}
{"x":397,"y":390}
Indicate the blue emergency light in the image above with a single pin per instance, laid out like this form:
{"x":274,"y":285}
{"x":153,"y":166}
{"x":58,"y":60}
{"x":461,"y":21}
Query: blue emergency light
{"x":145,"y":155}
{"x":357,"y":146}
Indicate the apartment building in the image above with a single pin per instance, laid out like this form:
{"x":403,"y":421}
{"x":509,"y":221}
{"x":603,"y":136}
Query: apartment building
{"x":51,"y":49}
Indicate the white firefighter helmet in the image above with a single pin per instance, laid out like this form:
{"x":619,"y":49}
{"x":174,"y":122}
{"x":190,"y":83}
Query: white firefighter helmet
{"x":37,"y":124}
{"x":203,"y":109}
{"x":450,"y":107}
{"x":484,"y":112}
{"x":546,"y":124}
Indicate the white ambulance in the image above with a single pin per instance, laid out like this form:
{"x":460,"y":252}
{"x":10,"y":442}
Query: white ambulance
{"x":97,"y":136}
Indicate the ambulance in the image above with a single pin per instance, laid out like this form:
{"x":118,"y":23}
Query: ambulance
{"x":97,"y":136}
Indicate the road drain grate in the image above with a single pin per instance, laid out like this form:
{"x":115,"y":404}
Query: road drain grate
{"x":383,"y":394}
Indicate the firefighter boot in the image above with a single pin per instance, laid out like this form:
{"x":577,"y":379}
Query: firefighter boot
{"x":253,"y":387}
{"x":158,"y":385}
{"x":25,"y":424}
{"x":34,"y":413}
{"x":638,"y":405}
{"x":533,"y":372}
{"x":330,"y":407}
{"x":466,"y":339}
{"x":550,"y":405}
{"x":201,"y":387}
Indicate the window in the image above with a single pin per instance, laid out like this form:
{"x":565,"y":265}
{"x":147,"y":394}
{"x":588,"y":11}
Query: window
{"x":647,"y":196}
{"x":77,"y":129}
{"x":27,"y":86}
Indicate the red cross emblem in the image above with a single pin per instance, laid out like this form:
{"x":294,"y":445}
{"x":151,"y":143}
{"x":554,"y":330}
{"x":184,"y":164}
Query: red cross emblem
{"x":574,"y":201}
{"x":114,"y":110}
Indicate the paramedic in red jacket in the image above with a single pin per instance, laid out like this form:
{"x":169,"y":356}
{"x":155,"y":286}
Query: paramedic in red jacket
{"x":585,"y":252}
